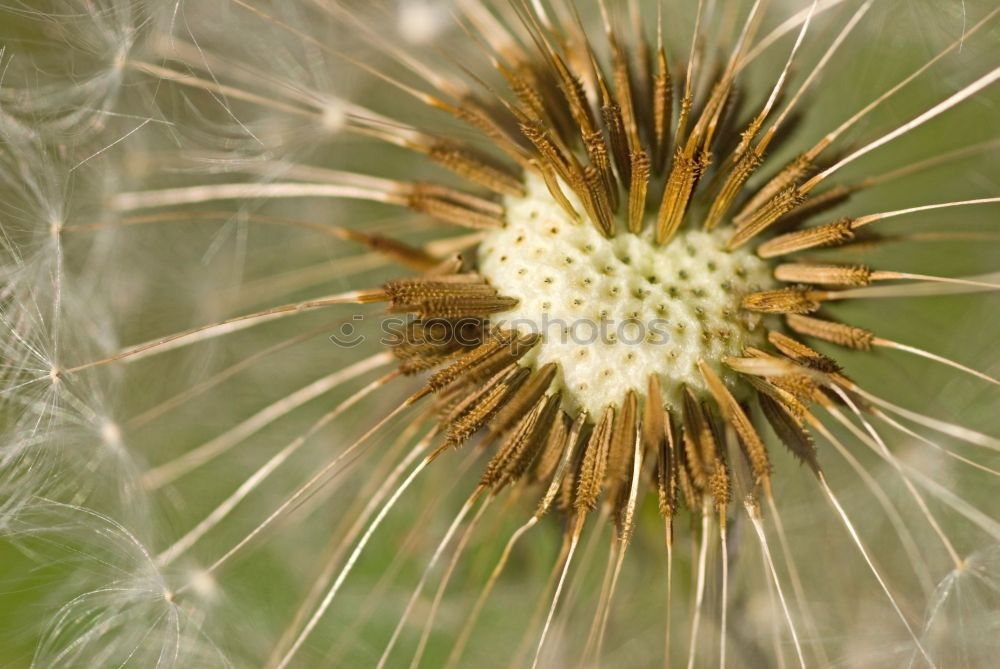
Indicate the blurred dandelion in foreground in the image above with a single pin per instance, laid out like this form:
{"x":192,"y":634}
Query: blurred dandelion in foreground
{"x":642,"y":262}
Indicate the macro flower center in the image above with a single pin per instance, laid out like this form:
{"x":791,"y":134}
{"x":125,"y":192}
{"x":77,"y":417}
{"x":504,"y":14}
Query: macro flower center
{"x":612,"y":312}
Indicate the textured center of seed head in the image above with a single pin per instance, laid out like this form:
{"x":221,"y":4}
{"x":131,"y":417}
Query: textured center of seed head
{"x":612,"y":312}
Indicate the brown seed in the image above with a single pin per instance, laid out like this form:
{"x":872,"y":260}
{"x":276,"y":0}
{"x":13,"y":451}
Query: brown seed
{"x":695,"y":426}
{"x":595,"y":461}
{"x":597,"y":151}
{"x":803,"y":354}
{"x":822,"y":236}
{"x":500,"y":350}
{"x":789,"y":429}
{"x":511,"y":446}
{"x":524,"y":85}
{"x":622,"y":447}
{"x":754,"y":448}
{"x":828,"y":275}
{"x":838,"y":333}
{"x":532,"y":442}
{"x":472,"y":112}
{"x":718,"y":486}
{"x":555,"y":190}
{"x":611,"y":112}
{"x":799,"y":386}
{"x":450,"y":212}
{"x":622,"y":78}
{"x":425,"y":345}
{"x":779,"y":205}
{"x":783,"y":301}
{"x":522,"y":400}
{"x":483,"y":406}
{"x":747,"y":163}
{"x":684,"y":174}
{"x":789,"y":175}
{"x":662,"y":109}
{"x":637,"y":191}
{"x":821,"y":202}
{"x":691,"y":495}
{"x":600,"y":206}
{"x":653,"y":417}
{"x":477,"y":168}
{"x":553,"y":451}
{"x":447,"y":296}
{"x":410,"y":256}
{"x":565,"y":165}
{"x":789,"y":401}
{"x":668,"y":470}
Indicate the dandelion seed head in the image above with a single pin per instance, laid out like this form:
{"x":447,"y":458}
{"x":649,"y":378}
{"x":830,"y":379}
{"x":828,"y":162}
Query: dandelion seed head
{"x":173,"y":350}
